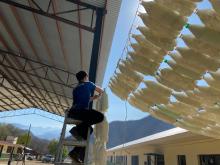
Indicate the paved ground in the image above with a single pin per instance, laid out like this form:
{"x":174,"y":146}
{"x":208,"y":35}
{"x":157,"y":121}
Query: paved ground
{"x":26,"y":163}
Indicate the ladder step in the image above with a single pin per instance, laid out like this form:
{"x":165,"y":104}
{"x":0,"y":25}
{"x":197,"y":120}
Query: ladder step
{"x":82,"y":143}
{"x":72,"y":121}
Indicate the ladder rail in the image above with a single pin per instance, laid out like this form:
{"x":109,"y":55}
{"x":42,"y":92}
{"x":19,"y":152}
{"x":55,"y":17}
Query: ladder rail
{"x":86,"y":158}
{"x":63,"y":142}
{"x":60,"y":145}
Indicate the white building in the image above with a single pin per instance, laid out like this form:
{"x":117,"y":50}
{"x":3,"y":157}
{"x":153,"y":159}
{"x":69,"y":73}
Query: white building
{"x":172,"y":147}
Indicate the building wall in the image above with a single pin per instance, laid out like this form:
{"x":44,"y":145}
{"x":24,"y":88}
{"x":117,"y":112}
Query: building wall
{"x":191,"y":150}
{"x":5,"y":147}
{"x":139,"y":150}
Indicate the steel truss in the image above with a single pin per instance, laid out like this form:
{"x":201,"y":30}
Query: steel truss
{"x":24,"y":99}
{"x":58,"y":15}
{"x":42,"y":100}
{"x":31,"y":111}
{"x":45,"y":72}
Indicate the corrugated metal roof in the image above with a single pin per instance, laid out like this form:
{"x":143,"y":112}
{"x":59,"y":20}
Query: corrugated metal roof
{"x":39,"y":55}
{"x":98,"y":3}
{"x":157,"y":136}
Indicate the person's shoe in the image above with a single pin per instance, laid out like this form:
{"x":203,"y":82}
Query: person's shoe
{"x":75,"y":134}
{"x":75,"y":158}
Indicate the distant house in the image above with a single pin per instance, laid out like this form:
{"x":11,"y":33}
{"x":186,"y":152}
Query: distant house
{"x":9,"y":145}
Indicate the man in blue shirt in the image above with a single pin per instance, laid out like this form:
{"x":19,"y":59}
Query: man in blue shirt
{"x":82,"y":96}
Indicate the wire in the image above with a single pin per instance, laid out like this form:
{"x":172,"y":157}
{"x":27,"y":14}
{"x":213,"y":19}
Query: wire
{"x":127,"y":40}
{"x":125,"y":128}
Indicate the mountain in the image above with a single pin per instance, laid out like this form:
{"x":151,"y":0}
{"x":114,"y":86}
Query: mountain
{"x":37,"y":144}
{"x":124,"y":131}
{"x":119,"y":131}
{"x":47,"y":133}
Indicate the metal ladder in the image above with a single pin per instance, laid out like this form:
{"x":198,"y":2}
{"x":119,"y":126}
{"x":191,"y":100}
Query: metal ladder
{"x":63,"y":142}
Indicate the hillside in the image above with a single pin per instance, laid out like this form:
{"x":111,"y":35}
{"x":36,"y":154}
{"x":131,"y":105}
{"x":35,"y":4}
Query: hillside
{"x":124,"y":131}
{"x":119,"y":132}
{"x":47,"y":133}
{"x":37,"y":144}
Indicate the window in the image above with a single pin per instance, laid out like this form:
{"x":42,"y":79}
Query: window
{"x":9,"y":149}
{"x":121,"y":160}
{"x":159,"y":159}
{"x":154,"y":159}
{"x":134,"y":160}
{"x":181,"y":159}
{"x":209,"y":159}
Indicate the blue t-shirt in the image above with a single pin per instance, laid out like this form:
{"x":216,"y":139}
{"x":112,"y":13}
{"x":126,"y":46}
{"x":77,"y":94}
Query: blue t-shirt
{"x":82,"y":94}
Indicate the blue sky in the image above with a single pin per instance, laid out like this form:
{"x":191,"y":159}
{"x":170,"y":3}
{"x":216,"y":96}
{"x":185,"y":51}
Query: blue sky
{"x":116,"y":106}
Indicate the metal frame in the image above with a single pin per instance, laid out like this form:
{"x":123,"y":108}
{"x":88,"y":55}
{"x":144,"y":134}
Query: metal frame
{"x":100,"y":13}
{"x":31,"y":111}
{"x":29,"y":95}
{"x":45,"y":68}
{"x":7,"y":72}
{"x":28,"y":67}
{"x":55,"y":16}
{"x":96,"y":44}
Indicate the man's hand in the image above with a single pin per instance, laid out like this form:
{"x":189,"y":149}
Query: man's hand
{"x":94,"y":97}
{"x":98,"y":90}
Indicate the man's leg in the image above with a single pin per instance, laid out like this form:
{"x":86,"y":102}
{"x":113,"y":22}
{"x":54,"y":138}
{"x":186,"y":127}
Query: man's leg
{"x":88,"y":118}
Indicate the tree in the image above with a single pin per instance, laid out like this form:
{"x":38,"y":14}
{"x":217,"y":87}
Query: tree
{"x":52,"y":147}
{"x":24,"y":139}
{"x":8,"y":130}
{"x":65,"y":152}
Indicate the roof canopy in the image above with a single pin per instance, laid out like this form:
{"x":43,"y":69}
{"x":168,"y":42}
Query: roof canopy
{"x":44,"y":43}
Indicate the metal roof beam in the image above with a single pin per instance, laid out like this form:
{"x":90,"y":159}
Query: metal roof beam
{"x":15,"y":113}
{"x":14,"y":95}
{"x":12,"y":104}
{"x":42,"y":101}
{"x":35,"y":87}
{"x":47,"y":14}
{"x":96,"y":45}
{"x":17,"y":89}
{"x":33,"y":61}
{"x":6,"y":103}
{"x":46,"y":68}
{"x":78,"y":2}
{"x":3,"y":109}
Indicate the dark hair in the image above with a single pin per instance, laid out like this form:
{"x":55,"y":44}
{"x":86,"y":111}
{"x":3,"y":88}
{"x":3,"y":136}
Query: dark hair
{"x":81,"y":75}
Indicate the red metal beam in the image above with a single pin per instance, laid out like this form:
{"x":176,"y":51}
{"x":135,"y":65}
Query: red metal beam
{"x":46,"y":14}
{"x":80,"y":39}
{"x":60,"y":34}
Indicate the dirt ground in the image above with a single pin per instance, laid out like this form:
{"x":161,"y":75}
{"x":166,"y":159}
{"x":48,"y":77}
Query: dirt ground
{"x":27,"y":162}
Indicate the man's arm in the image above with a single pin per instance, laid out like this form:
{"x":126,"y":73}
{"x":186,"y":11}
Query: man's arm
{"x":99,"y":90}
